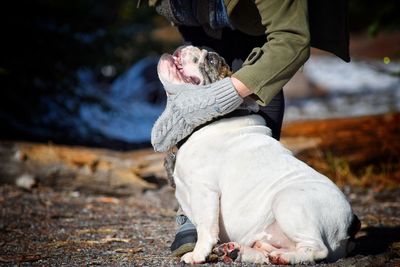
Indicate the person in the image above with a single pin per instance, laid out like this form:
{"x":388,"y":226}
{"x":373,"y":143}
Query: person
{"x":265,"y":43}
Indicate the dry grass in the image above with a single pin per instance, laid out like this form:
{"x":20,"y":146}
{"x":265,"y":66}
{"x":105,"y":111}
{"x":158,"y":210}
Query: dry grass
{"x":377,"y":176}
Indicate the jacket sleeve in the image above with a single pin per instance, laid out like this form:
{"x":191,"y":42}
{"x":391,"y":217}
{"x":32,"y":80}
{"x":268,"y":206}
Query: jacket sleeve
{"x":268,"y":68}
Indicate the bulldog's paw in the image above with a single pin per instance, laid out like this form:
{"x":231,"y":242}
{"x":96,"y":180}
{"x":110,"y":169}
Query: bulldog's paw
{"x":228,"y":252}
{"x":192,"y":258}
{"x":278,"y":258}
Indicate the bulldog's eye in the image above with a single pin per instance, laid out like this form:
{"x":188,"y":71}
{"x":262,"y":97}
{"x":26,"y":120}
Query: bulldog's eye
{"x":212,"y":59}
{"x":195,"y":60}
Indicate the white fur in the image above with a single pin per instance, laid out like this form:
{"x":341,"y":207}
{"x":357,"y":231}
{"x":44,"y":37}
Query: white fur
{"x":236,"y":183}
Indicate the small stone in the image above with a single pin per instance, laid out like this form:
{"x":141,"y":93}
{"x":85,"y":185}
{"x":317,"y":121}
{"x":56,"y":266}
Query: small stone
{"x":26,"y":181}
{"x":17,"y":155}
{"x":75,"y":194}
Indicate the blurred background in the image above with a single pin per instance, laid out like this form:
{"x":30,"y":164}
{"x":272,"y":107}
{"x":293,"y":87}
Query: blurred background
{"x":83,"y":72}
{"x":79,"y":76}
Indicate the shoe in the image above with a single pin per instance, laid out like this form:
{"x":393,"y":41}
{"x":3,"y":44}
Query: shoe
{"x":185,"y":237}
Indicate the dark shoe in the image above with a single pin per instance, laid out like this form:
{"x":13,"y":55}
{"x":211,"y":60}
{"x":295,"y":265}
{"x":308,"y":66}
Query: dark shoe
{"x":185,"y":237}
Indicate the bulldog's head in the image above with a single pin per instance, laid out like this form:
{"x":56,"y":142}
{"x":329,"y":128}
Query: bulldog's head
{"x":190,"y":64}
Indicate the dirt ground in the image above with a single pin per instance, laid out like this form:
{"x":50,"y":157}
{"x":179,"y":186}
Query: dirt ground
{"x":78,"y":206}
{"x":50,"y":226}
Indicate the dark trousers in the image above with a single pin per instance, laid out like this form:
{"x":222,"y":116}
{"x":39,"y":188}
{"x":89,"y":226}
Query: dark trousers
{"x":235,"y":46}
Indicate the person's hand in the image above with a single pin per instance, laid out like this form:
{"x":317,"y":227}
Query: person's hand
{"x":189,"y":106}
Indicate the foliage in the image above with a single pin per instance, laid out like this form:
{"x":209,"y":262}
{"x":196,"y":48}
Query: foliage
{"x":374,"y":16}
{"x":377,"y":176}
{"x":46,"y":42}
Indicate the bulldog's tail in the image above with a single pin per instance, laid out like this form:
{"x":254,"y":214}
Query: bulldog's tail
{"x":355,"y":226}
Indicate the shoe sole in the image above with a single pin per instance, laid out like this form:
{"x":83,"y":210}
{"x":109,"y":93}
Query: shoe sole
{"x":183,"y":249}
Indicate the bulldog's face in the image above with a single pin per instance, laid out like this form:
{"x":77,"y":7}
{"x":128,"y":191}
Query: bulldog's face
{"x":190,"y":64}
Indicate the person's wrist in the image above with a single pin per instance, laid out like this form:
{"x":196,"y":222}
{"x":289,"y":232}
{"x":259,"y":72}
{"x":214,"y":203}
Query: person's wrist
{"x":226,"y":97}
{"x":240,"y":87}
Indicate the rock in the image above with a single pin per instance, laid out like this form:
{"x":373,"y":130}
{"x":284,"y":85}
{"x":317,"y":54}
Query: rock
{"x":26,"y":181}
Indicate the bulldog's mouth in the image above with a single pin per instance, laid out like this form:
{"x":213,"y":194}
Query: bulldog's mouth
{"x":175,"y":71}
{"x":187,"y":78}
{"x":190,"y":64}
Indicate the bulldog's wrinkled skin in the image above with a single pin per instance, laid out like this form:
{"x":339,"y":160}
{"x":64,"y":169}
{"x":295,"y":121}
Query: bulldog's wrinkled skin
{"x":241,"y":187}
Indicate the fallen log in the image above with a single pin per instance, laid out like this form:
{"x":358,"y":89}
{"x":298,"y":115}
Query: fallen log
{"x":364,"y":147}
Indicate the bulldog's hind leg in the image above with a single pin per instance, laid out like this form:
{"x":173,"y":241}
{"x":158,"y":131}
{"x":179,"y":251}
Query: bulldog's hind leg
{"x":308,"y":249}
{"x":302,"y":227}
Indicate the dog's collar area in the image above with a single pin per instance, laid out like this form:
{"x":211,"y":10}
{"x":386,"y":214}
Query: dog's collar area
{"x":235,"y":113}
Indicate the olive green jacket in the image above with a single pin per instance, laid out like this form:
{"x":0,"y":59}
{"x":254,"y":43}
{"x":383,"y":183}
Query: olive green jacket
{"x":287,"y":46}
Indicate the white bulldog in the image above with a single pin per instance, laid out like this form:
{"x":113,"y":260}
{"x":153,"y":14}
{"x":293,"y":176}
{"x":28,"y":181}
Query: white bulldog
{"x":241,"y":187}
